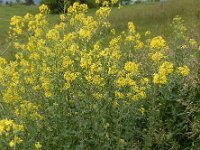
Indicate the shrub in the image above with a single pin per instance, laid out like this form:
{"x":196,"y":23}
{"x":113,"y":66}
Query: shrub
{"x":124,"y":1}
{"x":55,"y":6}
{"x":74,"y":87}
{"x":91,"y":3}
{"x":29,"y":2}
{"x":59,"y":5}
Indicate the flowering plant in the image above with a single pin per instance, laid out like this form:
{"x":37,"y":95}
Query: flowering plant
{"x":73,"y":87}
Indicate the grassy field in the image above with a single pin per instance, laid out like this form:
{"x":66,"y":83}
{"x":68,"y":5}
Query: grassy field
{"x":6,"y":13}
{"x":155,"y":17}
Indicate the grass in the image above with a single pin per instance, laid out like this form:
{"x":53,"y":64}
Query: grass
{"x":6,"y":12}
{"x":155,"y":17}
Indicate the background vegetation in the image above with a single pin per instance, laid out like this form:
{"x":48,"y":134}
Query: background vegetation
{"x":155,"y":17}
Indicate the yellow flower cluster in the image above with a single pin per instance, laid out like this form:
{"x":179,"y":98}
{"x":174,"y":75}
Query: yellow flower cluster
{"x":44,"y":9}
{"x":184,"y":70}
{"x":106,"y":2}
{"x":193,"y":42}
{"x":131,"y":27}
{"x":103,"y":12}
{"x":28,"y":109}
{"x":9,"y":128}
{"x":159,"y":79}
{"x":157,"y":43}
{"x":74,"y":62}
{"x":77,"y":8}
{"x":131,"y":67}
{"x":165,"y":69}
{"x":17,"y":22}
{"x":157,"y":56}
{"x":38,"y":145}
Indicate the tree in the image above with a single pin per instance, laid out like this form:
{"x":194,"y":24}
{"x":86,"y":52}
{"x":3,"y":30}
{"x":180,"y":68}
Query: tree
{"x":29,"y":2}
{"x":57,"y":6}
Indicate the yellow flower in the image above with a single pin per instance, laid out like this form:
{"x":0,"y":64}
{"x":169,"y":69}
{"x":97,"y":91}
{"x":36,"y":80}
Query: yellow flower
{"x":28,"y":16}
{"x":86,"y":61}
{"x":97,"y":80}
{"x":85,"y":34}
{"x":15,"y":20}
{"x":147,"y":33}
{"x":48,"y":94}
{"x":114,"y":1}
{"x":17,"y":140}
{"x":120,"y":6}
{"x":38,"y":145}
{"x":62,"y":17}
{"x":12,"y":144}
{"x":119,"y":95}
{"x":166,"y":68}
{"x":144,"y":81}
{"x":115,"y":103}
{"x":53,"y":34}
{"x":131,"y":67}
{"x":67,"y":62}
{"x":156,"y":57}
{"x":103,"y":12}
{"x":157,"y":43}
{"x":96,"y":67}
{"x":142,"y":110}
{"x":122,"y":141}
{"x":77,"y":8}
{"x":70,"y":76}
{"x":130,"y":82}
{"x":121,"y":81}
{"x":193,"y":42}
{"x":138,"y":45}
{"x":113,"y":31}
{"x":184,"y":70}
{"x":2,"y":61}
{"x":98,"y":96}
{"x":105,"y":3}
{"x":97,"y":1}
{"x":112,"y":70}
{"x":43,"y":9}
{"x":160,"y":79}
{"x":131,"y":27}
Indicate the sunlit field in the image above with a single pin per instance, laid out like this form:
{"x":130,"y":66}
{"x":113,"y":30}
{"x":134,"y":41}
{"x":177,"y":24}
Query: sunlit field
{"x":113,"y":77}
{"x":155,"y":17}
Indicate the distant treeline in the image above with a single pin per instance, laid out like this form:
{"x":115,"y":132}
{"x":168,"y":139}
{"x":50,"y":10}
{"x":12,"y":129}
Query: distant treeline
{"x":58,"y":6}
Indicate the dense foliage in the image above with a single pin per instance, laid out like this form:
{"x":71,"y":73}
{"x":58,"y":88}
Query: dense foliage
{"x":60,"y":5}
{"x":80,"y":85}
{"x":55,"y":6}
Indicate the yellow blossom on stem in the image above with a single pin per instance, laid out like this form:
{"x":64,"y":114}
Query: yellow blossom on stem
{"x":156,"y":57}
{"x":157,"y":43}
{"x":166,"y":68}
{"x":131,"y":67}
{"x":184,"y":70}
{"x":159,"y":79}
{"x":38,"y":145}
